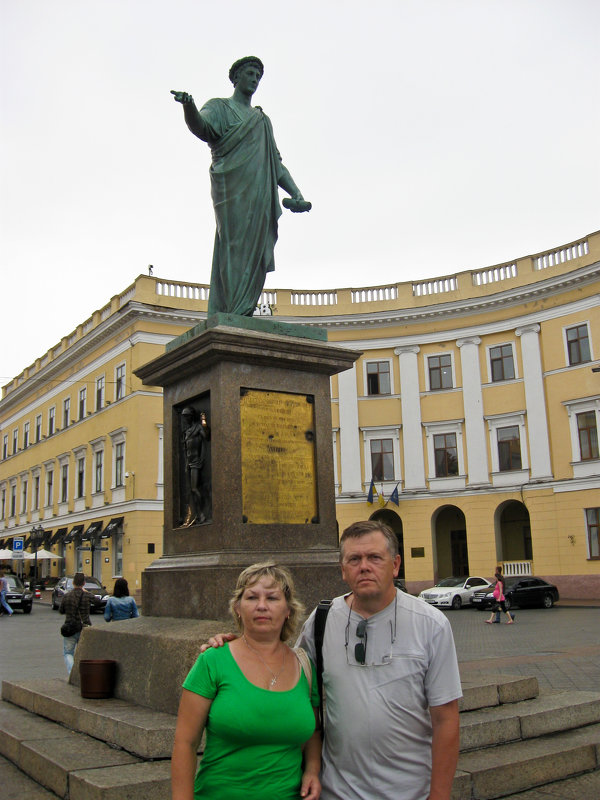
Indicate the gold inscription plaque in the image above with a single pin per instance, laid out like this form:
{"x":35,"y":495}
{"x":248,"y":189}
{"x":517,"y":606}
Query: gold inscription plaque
{"x":278,"y":457}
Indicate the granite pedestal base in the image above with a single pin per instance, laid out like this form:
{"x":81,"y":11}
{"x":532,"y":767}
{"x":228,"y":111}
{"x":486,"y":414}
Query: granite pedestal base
{"x":215,"y":368}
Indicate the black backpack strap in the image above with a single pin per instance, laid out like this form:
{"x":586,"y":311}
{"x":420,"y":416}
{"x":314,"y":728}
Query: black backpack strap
{"x":319,"y":634}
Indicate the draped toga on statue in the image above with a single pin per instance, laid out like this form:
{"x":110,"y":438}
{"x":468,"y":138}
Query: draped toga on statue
{"x":244,"y":174}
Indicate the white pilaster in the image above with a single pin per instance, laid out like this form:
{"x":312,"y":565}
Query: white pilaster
{"x":473,"y":405}
{"x":414,"y":459}
{"x":535,"y":400}
{"x":349,"y":477}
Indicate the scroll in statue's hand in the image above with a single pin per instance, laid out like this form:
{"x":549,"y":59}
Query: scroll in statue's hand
{"x":297,"y":206}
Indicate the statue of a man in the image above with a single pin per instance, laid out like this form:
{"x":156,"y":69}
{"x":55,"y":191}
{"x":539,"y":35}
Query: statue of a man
{"x":245,"y":173}
{"x":196,"y":433}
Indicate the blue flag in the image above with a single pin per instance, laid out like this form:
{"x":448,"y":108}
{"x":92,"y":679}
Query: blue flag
{"x":370,"y":495}
{"x":394,"y":496}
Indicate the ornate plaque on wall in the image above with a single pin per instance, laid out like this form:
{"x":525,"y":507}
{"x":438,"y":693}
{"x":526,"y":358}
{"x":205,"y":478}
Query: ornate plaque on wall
{"x":278,"y":457}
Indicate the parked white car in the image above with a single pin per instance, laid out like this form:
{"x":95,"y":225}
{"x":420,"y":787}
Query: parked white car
{"x":453,"y":592}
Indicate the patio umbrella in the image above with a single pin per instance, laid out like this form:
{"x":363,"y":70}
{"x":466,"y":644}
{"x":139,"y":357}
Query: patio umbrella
{"x":45,"y":554}
{"x":5,"y":554}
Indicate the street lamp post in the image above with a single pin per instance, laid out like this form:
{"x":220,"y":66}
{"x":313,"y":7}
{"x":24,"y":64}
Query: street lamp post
{"x":37,"y":536}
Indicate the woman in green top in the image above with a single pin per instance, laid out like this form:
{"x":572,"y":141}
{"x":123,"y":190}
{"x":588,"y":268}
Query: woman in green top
{"x":254,"y":699}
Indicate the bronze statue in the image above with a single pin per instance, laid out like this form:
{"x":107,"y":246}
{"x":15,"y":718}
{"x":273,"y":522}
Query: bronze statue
{"x":245,"y":173}
{"x":195,"y":435}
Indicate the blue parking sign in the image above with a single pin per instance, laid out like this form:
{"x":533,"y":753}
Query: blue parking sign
{"x":18,"y":546}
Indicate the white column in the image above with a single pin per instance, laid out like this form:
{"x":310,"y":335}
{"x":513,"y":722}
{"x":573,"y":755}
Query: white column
{"x":412,"y":430}
{"x":160,"y":475}
{"x":350,"y":478}
{"x":535,"y":401}
{"x":473,"y":405}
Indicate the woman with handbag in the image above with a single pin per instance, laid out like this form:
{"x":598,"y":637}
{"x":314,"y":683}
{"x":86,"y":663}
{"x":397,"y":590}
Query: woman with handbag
{"x":498,"y":594}
{"x":76,"y":605}
{"x":257,"y":699}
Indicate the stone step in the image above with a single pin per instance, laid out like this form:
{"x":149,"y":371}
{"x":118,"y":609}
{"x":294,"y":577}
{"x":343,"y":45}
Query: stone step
{"x":507,"y":769}
{"x":15,"y":785}
{"x":548,"y":713}
{"x":49,"y":753}
{"x":584,"y":787}
{"x":139,"y":730}
{"x":496,"y":690}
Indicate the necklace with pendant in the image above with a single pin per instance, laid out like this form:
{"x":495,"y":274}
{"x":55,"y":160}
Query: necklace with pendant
{"x":274,"y":676}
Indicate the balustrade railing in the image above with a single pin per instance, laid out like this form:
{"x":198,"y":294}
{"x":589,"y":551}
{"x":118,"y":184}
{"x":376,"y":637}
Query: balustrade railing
{"x":323,"y":298}
{"x":561,"y":254}
{"x":374,"y":294}
{"x":483,"y":277}
{"x":513,"y":569}
{"x":435,"y":286}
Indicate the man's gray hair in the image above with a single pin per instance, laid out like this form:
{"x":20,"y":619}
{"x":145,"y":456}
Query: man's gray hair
{"x":359,"y":529}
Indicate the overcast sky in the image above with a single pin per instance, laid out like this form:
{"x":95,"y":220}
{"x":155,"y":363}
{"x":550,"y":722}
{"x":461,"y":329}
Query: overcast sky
{"x":432,"y":136}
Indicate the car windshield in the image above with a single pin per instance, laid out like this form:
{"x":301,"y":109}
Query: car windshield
{"x":14,"y":582}
{"x":451,"y":582}
{"x":91,"y":584}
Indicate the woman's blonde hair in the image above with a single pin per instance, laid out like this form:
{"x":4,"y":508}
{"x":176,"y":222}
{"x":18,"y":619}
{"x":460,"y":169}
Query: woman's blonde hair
{"x":283,"y":578}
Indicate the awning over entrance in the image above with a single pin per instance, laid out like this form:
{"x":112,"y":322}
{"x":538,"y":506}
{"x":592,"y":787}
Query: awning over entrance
{"x":114,"y":526}
{"x":26,"y":543}
{"x":93,"y":530}
{"x":75,"y":531}
{"x":58,"y":536}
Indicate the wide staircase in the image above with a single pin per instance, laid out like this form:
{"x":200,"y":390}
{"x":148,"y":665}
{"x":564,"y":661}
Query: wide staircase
{"x":515,"y":742}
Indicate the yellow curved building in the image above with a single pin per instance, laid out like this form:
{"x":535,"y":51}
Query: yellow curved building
{"x":469,"y":424}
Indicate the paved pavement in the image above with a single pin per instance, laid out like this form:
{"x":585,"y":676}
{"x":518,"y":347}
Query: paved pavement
{"x":559,"y":646}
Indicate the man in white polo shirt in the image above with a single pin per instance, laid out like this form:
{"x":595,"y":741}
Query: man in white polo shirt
{"x":391,"y":681}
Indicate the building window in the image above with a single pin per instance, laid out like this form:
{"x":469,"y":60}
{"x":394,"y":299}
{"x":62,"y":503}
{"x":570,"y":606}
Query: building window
{"x":15,"y":440}
{"x":502,"y":363}
{"x":440,"y":372}
{"x":578,"y":345}
{"x":99,"y":393}
{"x":378,"y":377}
{"x":49,"y":486}
{"x":51,"y":420}
{"x":81,"y":477}
{"x":509,"y":448}
{"x":36,"y":493}
{"x":588,"y":435}
{"x":118,"y":553}
{"x":66,"y":412}
{"x":382,"y":459}
{"x":23,"y":497}
{"x":82,"y":400}
{"x":64,"y":483}
{"x":445,"y":454}
{"x":38,"y":428}
{"x":592,"y":516}
{"x":98,"y":470}
{"x":119,"y":463}
{"x":25,"y":435}
{"x":13,"y":499}
{"x":120,"y":382}
{"x":5,"y":446}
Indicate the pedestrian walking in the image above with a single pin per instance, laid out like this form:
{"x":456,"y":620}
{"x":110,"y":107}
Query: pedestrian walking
{"x":4,"y":587}
{"x":76,"y":605}
{"x":500,"y":600}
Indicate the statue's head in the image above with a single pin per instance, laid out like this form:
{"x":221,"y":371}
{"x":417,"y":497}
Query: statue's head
{"x":242,"y":62}
{"x":188,"y":415}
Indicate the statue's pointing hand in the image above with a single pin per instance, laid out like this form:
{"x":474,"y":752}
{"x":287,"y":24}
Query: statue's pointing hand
{"x":297,"y":206}
{"x":182,"y":97}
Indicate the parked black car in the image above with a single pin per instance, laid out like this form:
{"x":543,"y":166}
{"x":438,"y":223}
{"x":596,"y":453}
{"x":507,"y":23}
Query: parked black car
{"x":99,"y":595}
{"x":17,"y":595}
{"x":520,"y":592}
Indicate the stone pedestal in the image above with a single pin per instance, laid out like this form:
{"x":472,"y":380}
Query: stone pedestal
{"x":220,"y":368}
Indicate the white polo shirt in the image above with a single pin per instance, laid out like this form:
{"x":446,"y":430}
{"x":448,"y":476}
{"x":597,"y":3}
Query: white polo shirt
{"x":377,"y":723}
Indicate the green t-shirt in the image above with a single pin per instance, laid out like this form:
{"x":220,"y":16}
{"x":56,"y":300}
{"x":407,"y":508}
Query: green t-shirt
{"x":254,"y":737}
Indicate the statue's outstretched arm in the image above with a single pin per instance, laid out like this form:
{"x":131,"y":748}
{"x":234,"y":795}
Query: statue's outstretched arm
{"x":191,"y":114}
{"x":296,"y":202}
